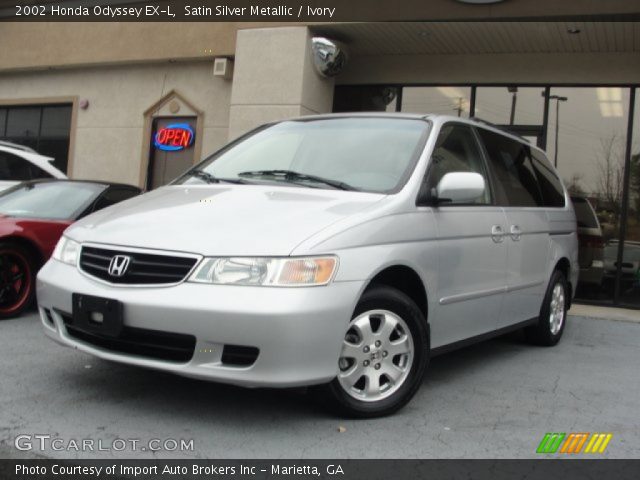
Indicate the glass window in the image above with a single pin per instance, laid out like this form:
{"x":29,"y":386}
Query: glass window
{"x":23,"y":122}
{"x":369,"y":154}
{"x":114,"y":195}
{"x":37,"y":173}
{"x":3,"y":121}
{"x":44,"y":128}
{"x":14,"y":168}
{"x":32,"y":142}
{"x":586,"y":139}
{"x":512,"y":166}
{"x":58,"y":148}
{"x":629,"y":289}
{"x":370,"y":98}
{"x":56,"y":120}
{"x":590,"y":144}
{"x":501,"y":105}
{"x":552,"y":191}
{"x":441,"y":100}
{"x":456,"y":150}
{"x":52,"y":200}
{"x":585,"y":214}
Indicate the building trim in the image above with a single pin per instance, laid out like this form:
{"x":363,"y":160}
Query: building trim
{"x":150,"y":114}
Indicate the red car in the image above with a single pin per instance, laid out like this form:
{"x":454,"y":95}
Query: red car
{"x":33,"y":216}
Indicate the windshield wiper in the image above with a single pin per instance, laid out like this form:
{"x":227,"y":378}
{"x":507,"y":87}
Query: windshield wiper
{"x":293,"y":176}
{"x":209,"y":178}
{"x":202,"y":175}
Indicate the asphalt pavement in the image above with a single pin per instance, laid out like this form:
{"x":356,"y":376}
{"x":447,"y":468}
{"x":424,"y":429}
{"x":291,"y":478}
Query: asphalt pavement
{"x":496,"y":399}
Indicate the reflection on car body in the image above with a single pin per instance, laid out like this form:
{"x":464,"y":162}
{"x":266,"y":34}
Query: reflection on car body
{"x":630,"y":267}
{"x":590,"y":243}
{"x":33,"y":216}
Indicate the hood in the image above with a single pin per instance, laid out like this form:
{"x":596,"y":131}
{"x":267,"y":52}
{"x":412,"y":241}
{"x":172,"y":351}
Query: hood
{"x":222,"y":220}
{"x":5,"y":184}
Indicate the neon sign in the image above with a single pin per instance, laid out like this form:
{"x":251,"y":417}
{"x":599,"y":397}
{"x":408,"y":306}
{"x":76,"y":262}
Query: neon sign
{"x":174,"y":137}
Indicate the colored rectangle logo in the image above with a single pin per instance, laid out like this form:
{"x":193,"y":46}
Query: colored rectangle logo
{"x":574,"y":442}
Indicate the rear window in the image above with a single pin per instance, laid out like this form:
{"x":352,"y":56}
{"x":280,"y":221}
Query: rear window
{"x":585,"y":216}
{"x":14,"y":168}
{"x":19,"y":169}
{"x":550,"y":185}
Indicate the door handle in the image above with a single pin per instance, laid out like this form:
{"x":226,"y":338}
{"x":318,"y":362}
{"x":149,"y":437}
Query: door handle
{"x":497,"y":235}
{"x":516,"y":233}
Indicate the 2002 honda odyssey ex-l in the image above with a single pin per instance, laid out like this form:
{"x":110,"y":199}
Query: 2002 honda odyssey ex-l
{"x":340,"y":251}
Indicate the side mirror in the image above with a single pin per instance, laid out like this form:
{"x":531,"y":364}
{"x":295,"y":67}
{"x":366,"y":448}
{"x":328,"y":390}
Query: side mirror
{"x":460,"y":187}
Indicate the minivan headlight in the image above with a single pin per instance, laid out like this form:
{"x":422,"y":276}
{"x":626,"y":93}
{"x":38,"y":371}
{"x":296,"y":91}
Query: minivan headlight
{"x":281,"y":272}
{"x":67,"y":251}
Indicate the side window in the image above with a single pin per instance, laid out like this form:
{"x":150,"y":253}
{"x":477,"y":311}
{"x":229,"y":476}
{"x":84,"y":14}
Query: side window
{"x":513,"y":168}
{"x":14,"y":168}
{"x":552,"y":191}
{"x":114,"y":195}
{"x":37,"y":172}
{"x":457,"y":150}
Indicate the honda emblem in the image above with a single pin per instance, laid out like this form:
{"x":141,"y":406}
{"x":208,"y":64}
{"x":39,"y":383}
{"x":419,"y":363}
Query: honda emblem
{"x":118,"y":265}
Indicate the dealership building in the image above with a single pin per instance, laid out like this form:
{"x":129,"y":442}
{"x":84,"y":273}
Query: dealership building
{"x":106,"y":99}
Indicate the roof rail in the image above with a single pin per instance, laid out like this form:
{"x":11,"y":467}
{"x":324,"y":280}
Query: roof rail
{"x":499,"y":127}
{"x":17,"y":146}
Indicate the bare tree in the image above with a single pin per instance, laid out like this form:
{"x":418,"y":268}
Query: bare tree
{"x":574,"y":185}
{"x":635,"y":183}
{"x":611,"y":172}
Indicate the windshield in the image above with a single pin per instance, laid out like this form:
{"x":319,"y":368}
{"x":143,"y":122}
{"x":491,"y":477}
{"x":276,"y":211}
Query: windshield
{"x":49,"y":200}
{"x":366,"y":154}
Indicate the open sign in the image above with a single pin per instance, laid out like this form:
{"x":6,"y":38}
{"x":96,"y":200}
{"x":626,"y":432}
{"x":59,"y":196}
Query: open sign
{"x":174,"y":137}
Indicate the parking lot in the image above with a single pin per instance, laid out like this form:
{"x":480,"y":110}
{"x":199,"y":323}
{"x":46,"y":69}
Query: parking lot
{"x":496,"y":399}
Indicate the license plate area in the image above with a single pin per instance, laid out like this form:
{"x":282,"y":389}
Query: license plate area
{"x":98,"y":315}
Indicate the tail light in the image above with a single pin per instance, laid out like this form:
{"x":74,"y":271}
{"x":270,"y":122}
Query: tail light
{"x":591,"y":241}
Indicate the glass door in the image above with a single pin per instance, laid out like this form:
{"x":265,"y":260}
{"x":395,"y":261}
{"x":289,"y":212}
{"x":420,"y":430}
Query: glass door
{"x":627,"y":259}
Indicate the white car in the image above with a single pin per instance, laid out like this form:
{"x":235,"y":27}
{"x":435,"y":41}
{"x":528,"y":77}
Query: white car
{"x":19,"y":163}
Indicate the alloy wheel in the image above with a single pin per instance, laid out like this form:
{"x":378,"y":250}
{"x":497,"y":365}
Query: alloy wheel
{"x":557,"y":310}
{"x":377,"y":355}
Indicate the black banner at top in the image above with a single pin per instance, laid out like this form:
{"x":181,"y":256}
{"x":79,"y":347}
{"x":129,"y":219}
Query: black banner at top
{"x":307,"y":11}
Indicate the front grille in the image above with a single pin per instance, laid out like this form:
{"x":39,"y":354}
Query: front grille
{"x":49,"y":317}
{"x":143,"y":268}
{"x":153,"y":344}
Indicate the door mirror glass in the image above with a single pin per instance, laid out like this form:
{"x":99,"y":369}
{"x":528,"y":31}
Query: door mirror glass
{"x":456,"y":151}
{"x":460,"y":187}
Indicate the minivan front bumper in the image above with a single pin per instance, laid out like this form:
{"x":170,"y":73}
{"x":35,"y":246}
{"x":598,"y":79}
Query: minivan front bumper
{"x":297,"y":331}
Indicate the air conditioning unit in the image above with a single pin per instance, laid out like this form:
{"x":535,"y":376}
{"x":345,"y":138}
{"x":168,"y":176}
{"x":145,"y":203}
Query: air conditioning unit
{"x":223,"y":67}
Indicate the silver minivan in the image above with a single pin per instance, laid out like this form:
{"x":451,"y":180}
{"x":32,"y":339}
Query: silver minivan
{"x":336,"y":251}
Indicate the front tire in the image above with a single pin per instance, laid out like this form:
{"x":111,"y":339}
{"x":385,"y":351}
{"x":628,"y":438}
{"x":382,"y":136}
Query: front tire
{"x":384,"y":355}
{"x":17,"y":280}
{"x":553,"y":313}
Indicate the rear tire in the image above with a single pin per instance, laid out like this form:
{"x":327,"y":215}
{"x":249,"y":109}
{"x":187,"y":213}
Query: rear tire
{"x":384,"y":355}
{"x":553,"y":314}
